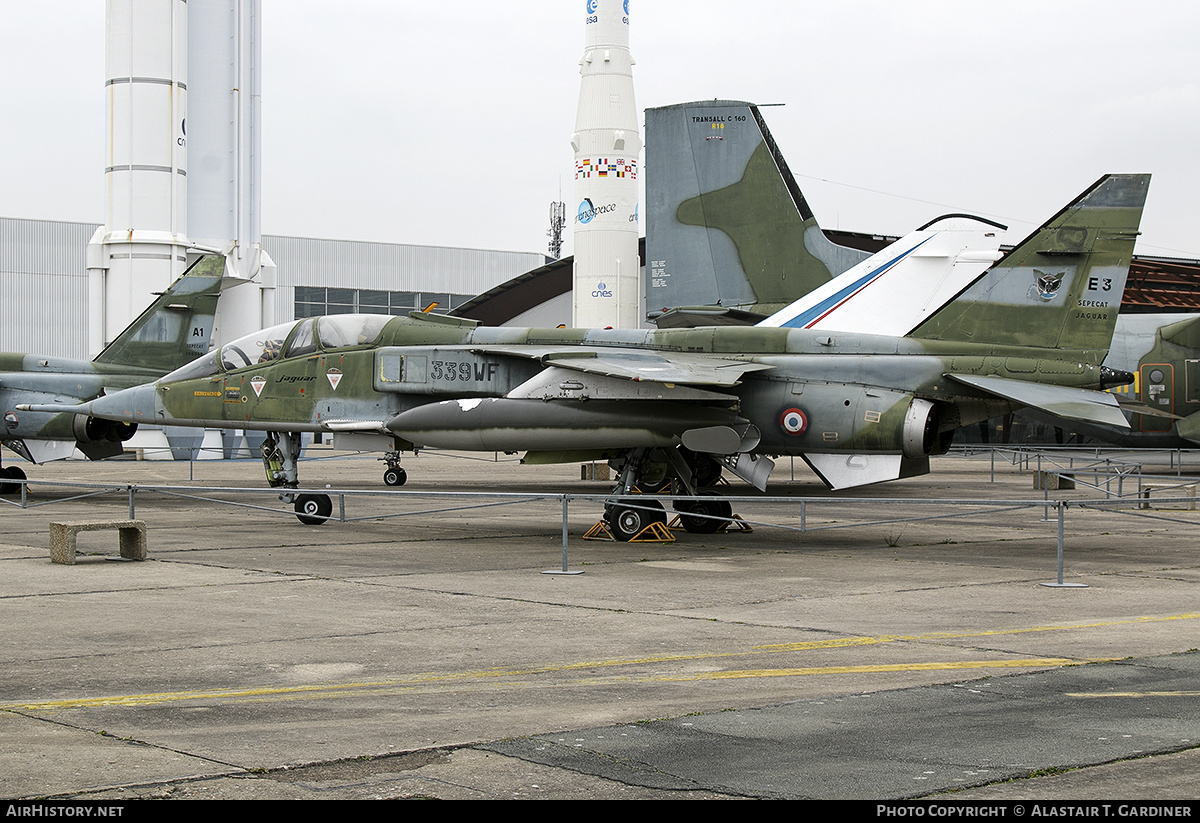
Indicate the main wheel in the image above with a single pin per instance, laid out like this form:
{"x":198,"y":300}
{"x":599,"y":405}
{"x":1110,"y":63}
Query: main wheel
{"x":707,"y":470}
{"x":12,"y":473}
{"x":313,"y":509}
{"x":395,"y":476}
{"x":715,"y":514}
{"x":625,"y":521}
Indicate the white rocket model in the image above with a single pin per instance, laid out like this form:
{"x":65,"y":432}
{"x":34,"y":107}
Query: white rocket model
{"x":143,"y":244}
{"x":159,"y":210}
{"x":607,"y":145}
{"x":225,"y":125}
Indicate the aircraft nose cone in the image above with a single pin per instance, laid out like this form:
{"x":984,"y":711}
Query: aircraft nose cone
{"x":134,"y":405}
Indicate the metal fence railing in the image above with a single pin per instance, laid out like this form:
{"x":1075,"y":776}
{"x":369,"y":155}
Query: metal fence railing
{"x":799,"y":514}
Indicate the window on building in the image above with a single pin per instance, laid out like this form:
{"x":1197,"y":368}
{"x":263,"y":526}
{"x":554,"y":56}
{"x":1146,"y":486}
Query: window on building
{"x":314,"y":301}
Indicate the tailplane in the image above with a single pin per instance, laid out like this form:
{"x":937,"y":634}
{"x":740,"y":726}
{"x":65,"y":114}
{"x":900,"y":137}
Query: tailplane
{"x":177,"y":326}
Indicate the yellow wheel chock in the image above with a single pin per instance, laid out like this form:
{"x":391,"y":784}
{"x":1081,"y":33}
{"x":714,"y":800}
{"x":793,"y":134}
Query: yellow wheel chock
{"x":653,"y":533}
{"x":735,"y":523}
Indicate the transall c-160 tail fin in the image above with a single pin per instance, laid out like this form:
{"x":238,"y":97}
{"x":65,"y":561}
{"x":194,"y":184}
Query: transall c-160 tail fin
{"x":728,"y":227}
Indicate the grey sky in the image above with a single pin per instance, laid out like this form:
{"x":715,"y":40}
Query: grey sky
{"x":448,"y":123}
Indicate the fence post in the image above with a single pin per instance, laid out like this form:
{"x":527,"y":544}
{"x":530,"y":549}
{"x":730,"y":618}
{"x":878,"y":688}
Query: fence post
{"x":1045,"y":490}
{"x":1062,"y":509}
{"x":564,"y":569}
{"x":132,"y":516}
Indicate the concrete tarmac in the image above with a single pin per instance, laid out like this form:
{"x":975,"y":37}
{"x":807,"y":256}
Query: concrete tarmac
{"x":428,"y":655}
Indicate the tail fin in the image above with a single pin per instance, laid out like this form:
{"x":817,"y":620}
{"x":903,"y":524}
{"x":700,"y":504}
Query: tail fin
{"x":176,"y":328}
{"x":897,"y":289}
{"x":1062,"y":286}
{"x":728,"y":225}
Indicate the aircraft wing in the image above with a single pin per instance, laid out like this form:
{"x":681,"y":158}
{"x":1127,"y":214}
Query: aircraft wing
{"x":1061,"y":401}
{"x":637,"y":365}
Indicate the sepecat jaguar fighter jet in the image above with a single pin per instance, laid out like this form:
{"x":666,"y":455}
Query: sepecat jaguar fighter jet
{"x":864,"y":378}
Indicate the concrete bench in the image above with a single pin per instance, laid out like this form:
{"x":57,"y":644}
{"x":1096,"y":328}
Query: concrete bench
{"x":131,"y":536}
{"x":1051,"y":481}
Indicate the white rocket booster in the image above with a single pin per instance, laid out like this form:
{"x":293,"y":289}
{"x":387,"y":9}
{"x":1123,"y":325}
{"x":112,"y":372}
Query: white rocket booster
{"x":607,"y":145}
{"x":143,"y":243}
{"x":225,"y":125}
{"x":155,"y":50}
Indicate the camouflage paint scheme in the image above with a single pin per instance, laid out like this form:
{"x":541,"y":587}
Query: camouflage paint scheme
{"x":728,"y":226}
{"x":1163,"y":353}
{"x":169,"y":334}
{"x":726,"y":222}
{"x":858,"y":407}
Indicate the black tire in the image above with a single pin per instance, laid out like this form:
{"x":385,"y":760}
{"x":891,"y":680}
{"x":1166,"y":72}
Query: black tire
{"x":714,"y":515}
{"x":395,"y":476}
{"x":313,"y":509}
{"x":12,"y":473}
{"x":707,"y":471}
{"x":626,"y":518}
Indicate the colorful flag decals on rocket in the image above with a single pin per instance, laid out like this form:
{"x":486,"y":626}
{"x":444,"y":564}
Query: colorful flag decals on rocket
{"x":335,"y":377}
{"x":605,"y":168}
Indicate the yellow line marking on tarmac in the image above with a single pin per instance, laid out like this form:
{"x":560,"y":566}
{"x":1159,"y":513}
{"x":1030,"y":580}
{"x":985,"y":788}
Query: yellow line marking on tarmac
{"x":417,"y":683}
{"x":433,"y":679}
{"x":1133,"y":694}
{"x":890,"y":638}
{"x":887,"y":667}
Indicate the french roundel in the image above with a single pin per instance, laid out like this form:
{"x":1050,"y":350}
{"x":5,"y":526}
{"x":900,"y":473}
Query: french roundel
{"x":793,"y":421}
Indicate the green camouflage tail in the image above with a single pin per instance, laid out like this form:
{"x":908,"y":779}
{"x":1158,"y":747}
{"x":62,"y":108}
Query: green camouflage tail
{"x":1061,"y":287}
{"x":727,"y":225}
{"x":176,"y":328}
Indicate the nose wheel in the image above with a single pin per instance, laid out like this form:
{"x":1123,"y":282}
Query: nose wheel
{"x":395,"y":475}
{"x":313,"y":509}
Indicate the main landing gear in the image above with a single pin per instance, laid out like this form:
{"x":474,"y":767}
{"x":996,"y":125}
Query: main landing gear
{"x":627,"y":517}
{"x":279,"y":454}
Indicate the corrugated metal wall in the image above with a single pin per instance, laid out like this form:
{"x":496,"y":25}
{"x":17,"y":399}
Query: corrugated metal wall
{"x":44,"y":285}
{"x":303,"y":261}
